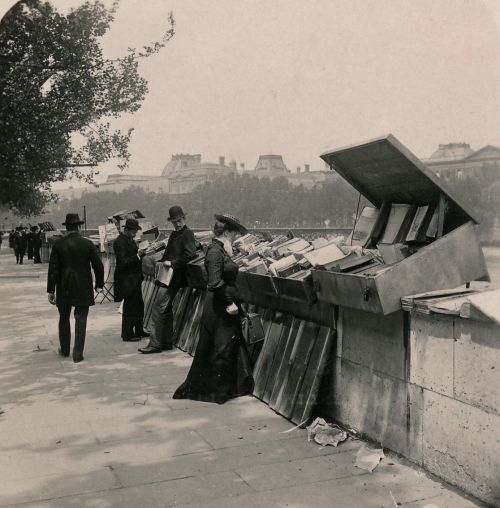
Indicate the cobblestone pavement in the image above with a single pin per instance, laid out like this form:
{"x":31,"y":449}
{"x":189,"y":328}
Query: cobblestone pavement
{"x":106,"y":432}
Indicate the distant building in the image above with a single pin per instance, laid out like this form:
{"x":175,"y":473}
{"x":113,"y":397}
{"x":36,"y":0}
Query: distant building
{"x":118,"y":182}
{"x":273,"y":166}
{"x":458,"y":160}
{"x":184,"y":172}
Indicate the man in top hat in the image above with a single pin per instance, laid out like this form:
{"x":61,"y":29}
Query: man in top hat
{"x":128,"y":279}
{"x":69,"y":283}
{"x":181,"y":248}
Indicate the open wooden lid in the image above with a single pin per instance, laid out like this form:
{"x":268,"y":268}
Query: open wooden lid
{"x":383,"y":169}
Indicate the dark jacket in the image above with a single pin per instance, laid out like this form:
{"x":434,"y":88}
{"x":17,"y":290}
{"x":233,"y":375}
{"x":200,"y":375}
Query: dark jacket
{"x":21,"y":242}
{"x":181,"y":248}
{"x":37,"y":240}
{"x":128,"y":271}
{"x":222,"y":272}
{"x":69,"y":274}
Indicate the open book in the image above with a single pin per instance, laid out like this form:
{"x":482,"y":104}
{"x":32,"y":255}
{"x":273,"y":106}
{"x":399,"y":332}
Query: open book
{"x":163,"y":274}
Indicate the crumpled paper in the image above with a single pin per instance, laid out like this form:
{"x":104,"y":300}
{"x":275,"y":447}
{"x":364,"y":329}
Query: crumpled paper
{"x":325,"y":433}
{"x":368,"y":458}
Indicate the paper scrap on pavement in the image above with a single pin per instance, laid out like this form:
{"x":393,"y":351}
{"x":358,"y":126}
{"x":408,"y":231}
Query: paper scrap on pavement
{"x":325,"y":433}
{"x":368,"y":458}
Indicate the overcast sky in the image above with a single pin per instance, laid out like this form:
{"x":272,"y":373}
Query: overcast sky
{"x":246,"y":77}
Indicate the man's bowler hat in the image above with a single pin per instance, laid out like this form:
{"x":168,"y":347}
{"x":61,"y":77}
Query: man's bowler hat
{"x":232,"y":222}
{"x":132,"y":224}
{"x":72,"y":219}
{"x":175,"y":213}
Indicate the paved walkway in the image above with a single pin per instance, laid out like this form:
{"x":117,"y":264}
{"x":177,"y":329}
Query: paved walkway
{"x":106,"y":432}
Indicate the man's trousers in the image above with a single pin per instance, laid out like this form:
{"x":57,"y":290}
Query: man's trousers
{"x":133,"y":314}
{"x":81,"y":314}
{"x":36,"y":255}
{"x":162,"y":319}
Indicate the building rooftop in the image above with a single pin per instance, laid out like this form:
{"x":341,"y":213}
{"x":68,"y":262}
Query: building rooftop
{"x":451,"y":151}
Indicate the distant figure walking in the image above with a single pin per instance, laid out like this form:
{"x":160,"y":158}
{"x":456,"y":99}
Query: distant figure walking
{"x":69,"y":283}
{"x":128,"y":282}
{"x":37,"y":245}
{"x":29,"y":243}
{"x":12,"y":235}
{"x":21,"y":242}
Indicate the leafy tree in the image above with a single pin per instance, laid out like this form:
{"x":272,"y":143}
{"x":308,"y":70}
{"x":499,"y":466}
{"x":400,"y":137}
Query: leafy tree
{"x":257,"y":202}
{"x":58,"y":98}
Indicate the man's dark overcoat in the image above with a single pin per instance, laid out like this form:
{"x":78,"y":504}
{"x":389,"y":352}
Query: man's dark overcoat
{"x":128,"y":271}
{"x":70,"y":274}
{"x":21,"y":242}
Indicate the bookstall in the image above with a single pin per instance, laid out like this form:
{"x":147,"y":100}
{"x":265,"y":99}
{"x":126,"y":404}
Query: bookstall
{"x":418,"y":237}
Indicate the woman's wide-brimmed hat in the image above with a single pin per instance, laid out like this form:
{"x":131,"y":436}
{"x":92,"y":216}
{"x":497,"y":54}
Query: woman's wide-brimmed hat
{"x":72,"y":219}
{"x":132,"y":224}
{"x":226,"y":218}
{"x":175,"y":213}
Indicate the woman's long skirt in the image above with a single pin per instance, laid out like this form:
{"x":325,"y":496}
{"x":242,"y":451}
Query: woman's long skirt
{"x":221,"y":367}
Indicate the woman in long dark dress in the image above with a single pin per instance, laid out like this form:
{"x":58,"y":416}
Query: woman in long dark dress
{"x":221,"y":368}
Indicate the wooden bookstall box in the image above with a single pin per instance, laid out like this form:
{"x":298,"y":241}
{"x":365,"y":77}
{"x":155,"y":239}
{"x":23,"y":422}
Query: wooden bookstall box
{"x":244,"y":291}
{"x":261,"y":285}
{"x":293,"y":289}
{"x":385,"y":172}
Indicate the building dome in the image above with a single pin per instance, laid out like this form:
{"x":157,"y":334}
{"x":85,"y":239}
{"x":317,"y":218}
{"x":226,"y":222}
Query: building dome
{"x":271,"y":164}
{"x":180,"y":161}
{"x":452,"y":151}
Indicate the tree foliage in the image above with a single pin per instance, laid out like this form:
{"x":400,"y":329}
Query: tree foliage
{"x":59,"y":95}
{"x":257,"y":202}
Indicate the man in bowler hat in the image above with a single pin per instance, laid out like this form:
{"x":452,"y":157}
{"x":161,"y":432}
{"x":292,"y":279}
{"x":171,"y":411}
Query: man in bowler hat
{"x":128,"y":279}
{"x":181,"y":248}
{"x":69,"y":283}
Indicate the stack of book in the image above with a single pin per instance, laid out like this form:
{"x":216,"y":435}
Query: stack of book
{"x":284,"y":267}
{"x":324,"y":255}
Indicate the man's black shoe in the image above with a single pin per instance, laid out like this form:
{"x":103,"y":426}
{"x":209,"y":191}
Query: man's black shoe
{"x":62,"y":354}
{"x":131,"y":339}
{"x":78,"y":360}
{"x":143,"y":335}
{"x":148,"y":350}
{"x":167,"y":348}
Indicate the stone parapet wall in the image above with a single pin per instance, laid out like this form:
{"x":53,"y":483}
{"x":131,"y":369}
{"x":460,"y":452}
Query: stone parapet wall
{"x":425,"y":386}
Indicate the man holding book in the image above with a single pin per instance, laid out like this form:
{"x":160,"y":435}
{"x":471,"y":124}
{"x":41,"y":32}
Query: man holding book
{"x":128,"y":281}
{"x":181,"y":248}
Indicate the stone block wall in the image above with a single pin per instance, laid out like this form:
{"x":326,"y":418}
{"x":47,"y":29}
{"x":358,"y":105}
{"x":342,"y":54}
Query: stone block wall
{"x":425,"y":386}
{"x":456,"y":362}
